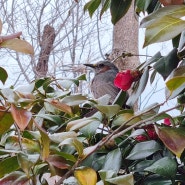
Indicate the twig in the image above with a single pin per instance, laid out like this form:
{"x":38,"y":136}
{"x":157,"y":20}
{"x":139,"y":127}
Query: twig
{"x":115,"y":134}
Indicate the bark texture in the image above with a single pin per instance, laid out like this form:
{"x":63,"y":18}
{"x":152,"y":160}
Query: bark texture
{"x":125,"y":39}
{"x":48,"y":38}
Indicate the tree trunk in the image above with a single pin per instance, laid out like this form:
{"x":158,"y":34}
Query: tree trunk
{"x":48,"y":38}
{"x":125,"y":40}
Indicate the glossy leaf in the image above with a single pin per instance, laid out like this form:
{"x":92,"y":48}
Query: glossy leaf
{"x":61,"y":106}
{"x":173,"y":138}
{"x":142,"y":5}
{"x":153,"y":59}
{"x":143,"y":150}
{"x":89,"y":130}
{"x":163,"y":29}
{"x":11,"y":177}
{"x":167,"y":64}
{"x":108,"y":110}
{"x":27,"y":144}
{"x":75,"y":143}
{"x":8,"y":165}
{"x":57,"y":161}
{"x":18,"y":45}
{"x":115,"y":156}
{"x":4,"y":75}
{"x":176,"y":11}
{"x":166,"y":167}
{"x":86,"y":176}
{"x":79,"y":123}
{"x":127,"y":179}
{"x":54,"y":118}
{"x":59,"y":137}
{"x":181,"y":49}
{"x":91,"y":6}
{"x":45,"y":142}
{"x":27,"y":161}
{"x":123,"y":117}
{"x":21,"y":116}
{"x":118,"y":9}
{"x":175,"y":82}
{"x":105,"y":6}
{"x":141,"y":86}
{"x":74,"y":100}
{"x":6,"y":120}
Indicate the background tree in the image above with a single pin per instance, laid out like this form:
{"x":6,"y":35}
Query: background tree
{"x":75,"y":36}
{"x":43,"y":130}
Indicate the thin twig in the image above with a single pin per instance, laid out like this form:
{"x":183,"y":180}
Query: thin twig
{"x":115,"y":134}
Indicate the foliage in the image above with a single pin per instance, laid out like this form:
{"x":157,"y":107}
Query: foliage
{"x":45,"y":129}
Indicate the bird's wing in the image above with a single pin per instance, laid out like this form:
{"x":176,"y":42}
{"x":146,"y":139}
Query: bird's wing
{"x":100,"y":89}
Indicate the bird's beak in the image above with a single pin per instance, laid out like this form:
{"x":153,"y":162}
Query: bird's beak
{"x":90,"y":65}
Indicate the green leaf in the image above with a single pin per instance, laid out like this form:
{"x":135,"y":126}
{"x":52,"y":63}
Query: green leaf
{"x":173,"y":138}
{"x":79,"y":123}
{"x":121,"y":98}
{"x":118,"y":9}
{"x":123,"y":117}
{"x":8,"y":165}
{"x":92,"y":6}
{"x":163,"y":29}
{"x":140,"y":88}
{"x":167,"y":64}
{"x":143,"y":150}
{"x":89,"y":130}
{"x":26,"y":161}
{"x":153,"y":59}
{"x":75,"y":143}
{"x":54,"y":118}
{"x":27,"y":144}
{"x":82,"y":77}
{"x":157,"y":180}
{"x":142,"y":5}
{"x":176,"y":11}
{"x":105,"y":6}
{"x":45,"y":142}
{"x":166,"y":167}
{"x":4,"y":75}
{"x":6,"y":121}
{"x":108,"y":110}
{"x":127,"y":179}
{"x":59,"y":137}
{"x":115,"y":156}
{"x":175,"y":82}
{"x":74,"y":100}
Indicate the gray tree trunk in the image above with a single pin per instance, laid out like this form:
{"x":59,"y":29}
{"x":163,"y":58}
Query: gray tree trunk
{"x":125,"y":39}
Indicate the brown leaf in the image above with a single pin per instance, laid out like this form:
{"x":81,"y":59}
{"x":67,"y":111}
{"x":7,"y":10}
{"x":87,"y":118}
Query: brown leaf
{"x":61,"y":106}
{"x":173,"y":138}
{"x":21,"y":116}
{"x":18,"y":45}
{"x":57,"y":161}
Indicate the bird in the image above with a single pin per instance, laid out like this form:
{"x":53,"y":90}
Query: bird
{"x":103,"y":81}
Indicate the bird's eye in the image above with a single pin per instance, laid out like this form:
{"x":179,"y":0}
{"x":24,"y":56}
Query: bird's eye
{"x":101,"y":65}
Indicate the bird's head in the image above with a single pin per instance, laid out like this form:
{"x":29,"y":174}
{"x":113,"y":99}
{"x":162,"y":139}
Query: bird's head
{"x":102,"y":66}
